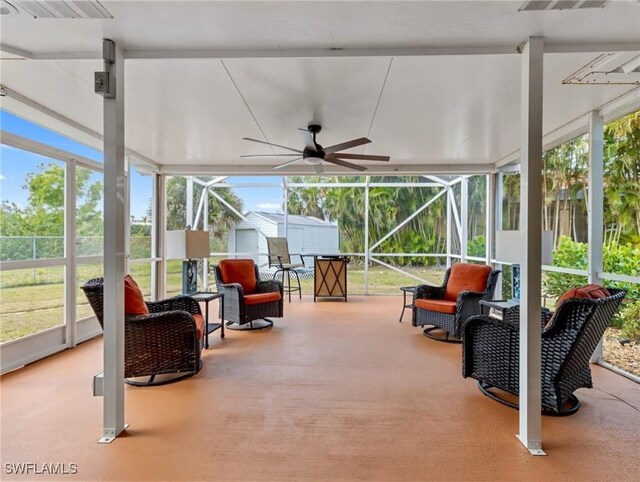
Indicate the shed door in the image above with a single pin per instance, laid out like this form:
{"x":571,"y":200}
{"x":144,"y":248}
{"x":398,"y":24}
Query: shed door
{"x":247,"y":242}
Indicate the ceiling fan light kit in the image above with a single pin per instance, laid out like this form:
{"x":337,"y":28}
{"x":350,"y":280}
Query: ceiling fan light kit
{"x":314,"y":154}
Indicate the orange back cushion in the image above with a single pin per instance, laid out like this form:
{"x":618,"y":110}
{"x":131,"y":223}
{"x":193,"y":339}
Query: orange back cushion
{"x":239,"y":271}
{"x":466,"y":277}
{"x":592,"y":291}
{"x":133,"y":300}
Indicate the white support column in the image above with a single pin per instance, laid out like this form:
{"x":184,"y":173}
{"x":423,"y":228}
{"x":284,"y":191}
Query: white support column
{"x":205,"y":227}
{"x":531,"y":227}
{"x":114,"y":251}
{"x":449,"y":226}
{"x":285,"y":192}
{"x":464,"y":219}
{"x":127,"y":214}
{"x":157,"y":237}
{"x":70,"y":253}
{"x":367,"y":249}
{"x":490,"y":224}
{"x":498,"y":226}
{"x":595,"y":207}
{"x":189,"y":193}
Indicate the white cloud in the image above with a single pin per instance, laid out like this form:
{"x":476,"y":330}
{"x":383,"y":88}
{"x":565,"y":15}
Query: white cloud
{"x":269,"y":206}
{"x":2,"y":178}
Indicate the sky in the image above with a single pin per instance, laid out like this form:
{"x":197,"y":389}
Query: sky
{"x":15,"y":164}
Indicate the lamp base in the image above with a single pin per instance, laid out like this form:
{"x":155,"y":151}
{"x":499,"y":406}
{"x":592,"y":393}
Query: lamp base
{"x":189,"y":277}
{"x":515,"y":282}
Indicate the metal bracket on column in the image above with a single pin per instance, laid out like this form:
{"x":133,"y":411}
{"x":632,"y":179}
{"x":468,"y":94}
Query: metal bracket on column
{"x":534,"y":448}
{"x":104,"y":82}
{"x":110,"y":435}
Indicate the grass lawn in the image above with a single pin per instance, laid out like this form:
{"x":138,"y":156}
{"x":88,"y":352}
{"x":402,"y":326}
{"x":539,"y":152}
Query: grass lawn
{"x":33,"y":300}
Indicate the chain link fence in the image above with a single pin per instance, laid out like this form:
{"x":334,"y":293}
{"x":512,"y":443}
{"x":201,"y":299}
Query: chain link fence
{"x":22,"y":248}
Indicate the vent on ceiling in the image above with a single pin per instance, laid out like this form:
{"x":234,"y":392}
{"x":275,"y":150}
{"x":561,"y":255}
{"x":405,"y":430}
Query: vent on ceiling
{"x":609,"y":68}
{"x":63,"y":9}
{"x":537,"y":5}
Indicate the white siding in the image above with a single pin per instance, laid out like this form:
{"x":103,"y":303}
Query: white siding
{"x":267,"y":226}
{"x":322,"y":239}
{"x":316,"y":239}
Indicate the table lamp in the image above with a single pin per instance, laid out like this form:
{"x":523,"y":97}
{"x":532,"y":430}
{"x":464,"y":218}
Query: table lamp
{"x":509,"y":250}
{"x":188,"y":245}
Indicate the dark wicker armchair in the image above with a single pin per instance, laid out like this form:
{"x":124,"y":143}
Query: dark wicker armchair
{"x":164,"y":342}
{"x":448,"y":306}
{"x":491,"y":350}
{"x":247,"y":300}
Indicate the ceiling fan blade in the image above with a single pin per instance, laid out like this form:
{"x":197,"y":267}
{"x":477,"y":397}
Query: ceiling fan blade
{"x":363,"y":157}
{"x":271,"y":155}
{"x":272,"y":144}
{"x":318,"y":168}
{"x":334,"y":160}
{"x":307,"y":139}
{"x":346,"y":145}
{"x":288,"y":163}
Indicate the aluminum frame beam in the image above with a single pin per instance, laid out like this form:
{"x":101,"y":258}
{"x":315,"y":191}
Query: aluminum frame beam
{"x":595,"y":206}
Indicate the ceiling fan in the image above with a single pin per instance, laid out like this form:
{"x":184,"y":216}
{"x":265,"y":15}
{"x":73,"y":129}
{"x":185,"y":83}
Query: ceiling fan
{"x":314,"y":154}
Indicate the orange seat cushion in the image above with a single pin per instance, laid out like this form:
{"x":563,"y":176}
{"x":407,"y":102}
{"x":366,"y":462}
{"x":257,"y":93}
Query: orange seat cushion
{"x":134,"y":303}
{"x":259,"y":298}
{"x":592,"y":292}
{"x":466,"y":277}
{"x":199,"y":325}
{"x":239,"y":271}
{"x":441,"y":306}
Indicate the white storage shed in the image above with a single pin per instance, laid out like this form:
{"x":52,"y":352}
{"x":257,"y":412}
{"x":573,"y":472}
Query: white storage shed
{"x":306,"y":235}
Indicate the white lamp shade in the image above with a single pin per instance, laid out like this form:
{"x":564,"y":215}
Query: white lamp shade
{"x":187,"y":244}
{"x":509,"y":247}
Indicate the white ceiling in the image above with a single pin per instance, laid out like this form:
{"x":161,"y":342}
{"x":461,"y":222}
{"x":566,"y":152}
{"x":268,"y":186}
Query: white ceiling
{"x":446,"y":112}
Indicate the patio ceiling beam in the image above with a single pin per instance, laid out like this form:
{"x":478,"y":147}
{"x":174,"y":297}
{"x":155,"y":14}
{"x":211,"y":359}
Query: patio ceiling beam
{"x":258,"y":53}
{"x":531,"y":100}
{"x":76,"y":126}
{"x":621,"y":105}
{"x":426,"y":51}
{"x":233,"y":169}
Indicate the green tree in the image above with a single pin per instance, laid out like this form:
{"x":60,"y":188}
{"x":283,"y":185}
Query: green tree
{"x":44,"y":216}
{"x":221,"y":219}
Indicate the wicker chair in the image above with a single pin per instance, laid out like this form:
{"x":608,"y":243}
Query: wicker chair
{"x":448,"y":306}
{"x":161,"y":343}
{"x":491,"y":350}
{"x":247,"y":300}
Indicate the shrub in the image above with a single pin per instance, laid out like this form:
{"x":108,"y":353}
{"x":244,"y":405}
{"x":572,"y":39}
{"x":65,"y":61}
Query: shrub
{"x":477,"y":246}
{"x":630,"y":315}
{"x":568,"y":254}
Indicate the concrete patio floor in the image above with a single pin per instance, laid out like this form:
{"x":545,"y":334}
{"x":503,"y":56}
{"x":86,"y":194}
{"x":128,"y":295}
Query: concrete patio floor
{"x":335,"y":391}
